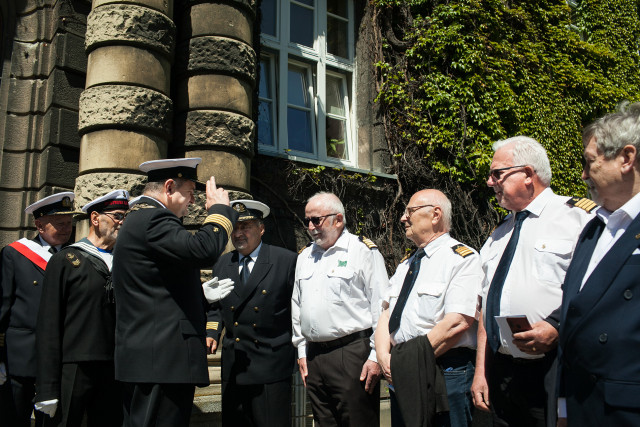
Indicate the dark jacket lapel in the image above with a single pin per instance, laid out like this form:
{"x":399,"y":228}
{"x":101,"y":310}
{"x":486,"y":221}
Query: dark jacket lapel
{"x":259,"y":271}
{"x":603,"y":275}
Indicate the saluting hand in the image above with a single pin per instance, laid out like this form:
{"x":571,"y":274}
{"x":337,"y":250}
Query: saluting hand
{"x":216,"y":195}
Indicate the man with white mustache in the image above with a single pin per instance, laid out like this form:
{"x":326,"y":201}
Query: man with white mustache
{"x":335,"y":308}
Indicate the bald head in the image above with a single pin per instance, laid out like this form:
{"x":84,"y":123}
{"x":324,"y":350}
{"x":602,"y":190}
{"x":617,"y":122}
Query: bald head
{"x":437,"y":198}
{"x":427,"y":216}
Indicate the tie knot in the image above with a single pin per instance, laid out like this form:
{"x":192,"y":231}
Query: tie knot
{"x":520,"y":216}
{"x":419,"y":254}
{"x":246,"y":260}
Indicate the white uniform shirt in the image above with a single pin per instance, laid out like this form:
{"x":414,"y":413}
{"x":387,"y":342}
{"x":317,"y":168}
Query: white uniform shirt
{"x":446,"y":283}
{"x":337,"y":292}
{"x":547,"y":240}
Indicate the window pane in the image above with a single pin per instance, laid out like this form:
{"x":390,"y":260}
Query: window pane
{"x":301,"y":25}
{"x":265,"y":118}
{"x":335,"y":97}
{"x":336,"y":140}
{"x":297,"y":88}
{"x":265,"y":80}
{"x":337,"y":36}
{"x":337,"y":7}
{"x":268,"y":23}
{"x":299,"y":128}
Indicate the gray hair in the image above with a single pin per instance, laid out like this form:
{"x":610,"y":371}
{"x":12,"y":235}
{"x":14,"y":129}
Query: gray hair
{"x":440,"y":199}
{"x":528,"y":151}
{"x":331,"y":202}
{"x":615,"y":130}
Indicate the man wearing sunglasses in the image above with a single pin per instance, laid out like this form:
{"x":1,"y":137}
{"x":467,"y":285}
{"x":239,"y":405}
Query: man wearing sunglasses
{"x":524,"y":260}
{"x":76,"y":324}
{"x":335,"y":309}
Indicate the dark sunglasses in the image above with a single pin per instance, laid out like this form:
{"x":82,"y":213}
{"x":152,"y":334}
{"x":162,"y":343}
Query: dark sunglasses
{"x":316,"y":220}
{"x":496,"y":174}
{"x":116,"y":216}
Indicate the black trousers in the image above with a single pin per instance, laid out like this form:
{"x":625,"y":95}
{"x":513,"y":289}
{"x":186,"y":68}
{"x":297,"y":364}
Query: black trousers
{"x":88,"y":388}
{"x":256,"y":405}
{"x":16,"y":402}
{"x":522,"y":391}
{"x":336,"y":393}
{"x":157,"y":405}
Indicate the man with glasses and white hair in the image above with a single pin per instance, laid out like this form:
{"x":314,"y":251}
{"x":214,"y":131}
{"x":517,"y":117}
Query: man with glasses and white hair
{"x":524,"y":260}
{"x":600,"y":339}
{"x":335,"y":308}
{"x":428,"y":318}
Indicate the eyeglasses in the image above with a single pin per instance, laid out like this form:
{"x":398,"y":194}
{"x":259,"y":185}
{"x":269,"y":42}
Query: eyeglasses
{"x":316,"y":220}
{"x":496,"y":174}
{"x":410,"y":210}
{"x":116,"y":216}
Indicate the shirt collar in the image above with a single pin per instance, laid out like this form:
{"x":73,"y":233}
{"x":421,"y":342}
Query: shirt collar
{"x":254,"y":254}
{"x":46,"y":245}
{"x":341,"y":243}
{"x":631,"y":209}
{"x":537,"y":205}
{"x":156,"y":200}
{"x":433,"y":246}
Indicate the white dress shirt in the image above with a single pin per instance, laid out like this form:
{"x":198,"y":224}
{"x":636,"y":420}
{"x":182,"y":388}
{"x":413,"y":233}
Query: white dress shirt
{"x":547,"y":240}
{"x":337,"y":292}
{"x":253,"y":255}
{"x":616,"y":223}
{"x":446,"y":283}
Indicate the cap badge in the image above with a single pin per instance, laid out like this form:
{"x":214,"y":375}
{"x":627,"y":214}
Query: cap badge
{"x":66,"y":202}
{"x":239,"y":207}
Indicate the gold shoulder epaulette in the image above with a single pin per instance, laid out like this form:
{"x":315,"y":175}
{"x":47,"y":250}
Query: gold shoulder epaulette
{"x":582,"y":203}
{"x":462,"y":250}
{"x":407,"y":255}
{"x":73,"y":259}
{"x":212,"y":325}
{"x":304,"y":247}
{"x":139,"y":206}
{"x":367,"y":242}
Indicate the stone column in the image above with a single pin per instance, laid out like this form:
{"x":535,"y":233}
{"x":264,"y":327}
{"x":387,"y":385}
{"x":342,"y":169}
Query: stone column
{"x":126,"y":112}
{"x":215,"y":77}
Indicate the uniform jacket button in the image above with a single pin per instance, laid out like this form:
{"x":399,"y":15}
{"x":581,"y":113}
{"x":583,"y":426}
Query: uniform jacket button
{"x":255,"y":326}
{"x":235,"y":323}
{"x":237,"y":339}
{"x":35,"y":283}
{"x":264,"y":292}
{"x":255,"y":341}
{"x":603,"y":338}
{"x":255,"y":309}
{"x":232,"y":308}
{"x":628,"y":294}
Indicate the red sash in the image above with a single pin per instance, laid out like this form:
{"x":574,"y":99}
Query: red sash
{"x":30,"y":255}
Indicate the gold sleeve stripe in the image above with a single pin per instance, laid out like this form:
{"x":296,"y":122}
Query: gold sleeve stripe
{"x":212,"y":325}
{"x":221,"y":220}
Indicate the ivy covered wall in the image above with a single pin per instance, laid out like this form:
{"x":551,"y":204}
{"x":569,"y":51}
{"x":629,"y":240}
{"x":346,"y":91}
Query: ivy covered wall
{"x":455,"y":76}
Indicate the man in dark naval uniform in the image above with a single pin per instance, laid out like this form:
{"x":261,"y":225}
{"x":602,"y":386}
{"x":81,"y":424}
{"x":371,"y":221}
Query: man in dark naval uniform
{"x":76,"y":325}
{"x":257,"y":354}
{"x":22,"y":268}
{"x":160,"y":351}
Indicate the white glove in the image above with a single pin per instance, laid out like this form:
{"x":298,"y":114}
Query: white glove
{"x":215,"y":290}
{"x":48,"y":407}
{"x":3,"y":373}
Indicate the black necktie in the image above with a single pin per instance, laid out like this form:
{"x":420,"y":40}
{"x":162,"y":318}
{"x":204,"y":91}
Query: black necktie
{"x":407,"y":285}
{"x":497,"y":283}
{"x":244,"y":274}
{"x":52,"y":250}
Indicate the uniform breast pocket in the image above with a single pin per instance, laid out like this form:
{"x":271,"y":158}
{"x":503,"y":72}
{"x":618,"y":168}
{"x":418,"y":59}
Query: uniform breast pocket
{"x":339,"y":284}
{"x":430,"y":296}
{"x":552,"y":258}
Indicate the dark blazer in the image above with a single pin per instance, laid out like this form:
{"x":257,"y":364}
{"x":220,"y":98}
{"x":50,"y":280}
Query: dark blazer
{"x":20,"y":291}
{"x":160,"y":305}
{"x":257,"y":346}
{"x":600,"y":332}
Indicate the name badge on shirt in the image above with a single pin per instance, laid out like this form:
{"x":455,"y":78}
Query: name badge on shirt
{"x":342,"y":263}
